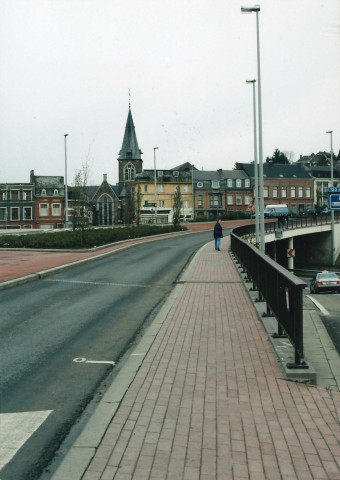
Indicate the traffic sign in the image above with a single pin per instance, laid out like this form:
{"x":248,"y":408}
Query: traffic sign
{"x":333,"y":189}
{"x":291,"y":253}
{"x":334,"y":201}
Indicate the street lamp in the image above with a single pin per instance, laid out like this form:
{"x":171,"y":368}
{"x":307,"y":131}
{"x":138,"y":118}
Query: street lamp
{"x":66,"y":192}
{"x":256,"y":9}
{"x":192,"y":191}
{"x":255,"y":167}
{"x":332,"y":211}
{"x":154,"y":167}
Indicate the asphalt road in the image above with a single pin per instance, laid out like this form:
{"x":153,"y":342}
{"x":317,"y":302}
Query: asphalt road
{"x":329,"y":311}
{"x":48,"y":329}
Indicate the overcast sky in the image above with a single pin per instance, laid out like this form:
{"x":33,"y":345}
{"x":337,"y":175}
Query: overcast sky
{"x":66,"y":66}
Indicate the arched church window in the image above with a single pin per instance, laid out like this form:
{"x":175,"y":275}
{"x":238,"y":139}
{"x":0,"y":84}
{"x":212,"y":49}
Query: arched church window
{"x":129,"y":172}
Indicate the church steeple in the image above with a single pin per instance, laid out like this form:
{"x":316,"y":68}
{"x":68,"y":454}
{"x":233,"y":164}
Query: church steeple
{"x":130,"y":156}
{"x":130,"y":149}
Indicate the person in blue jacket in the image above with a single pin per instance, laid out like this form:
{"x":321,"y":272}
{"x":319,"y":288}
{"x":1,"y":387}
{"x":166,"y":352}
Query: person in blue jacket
{"x":218,"y":234}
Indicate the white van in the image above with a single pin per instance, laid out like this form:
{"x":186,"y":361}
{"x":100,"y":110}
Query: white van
{"x":273,"y":211}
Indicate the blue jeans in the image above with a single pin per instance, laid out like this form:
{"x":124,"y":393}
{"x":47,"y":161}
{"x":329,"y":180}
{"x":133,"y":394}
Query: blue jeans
{"x":217,"y":242}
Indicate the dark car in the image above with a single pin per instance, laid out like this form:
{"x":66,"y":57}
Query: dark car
{"x":325,"y":282}
{"x":309,"y":211}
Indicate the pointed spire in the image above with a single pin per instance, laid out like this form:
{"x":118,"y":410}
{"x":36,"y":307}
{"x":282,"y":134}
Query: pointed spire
{"x":130,"y":149}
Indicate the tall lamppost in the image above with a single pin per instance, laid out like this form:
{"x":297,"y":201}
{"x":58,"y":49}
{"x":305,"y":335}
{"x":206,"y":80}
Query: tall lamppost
{"x":256,"y":9}
{"x":66,"y":191}
{"x":192,"y":191}
{"x":255,"y":166}
{"x":332,"y":211}
{"x":155,"y":180}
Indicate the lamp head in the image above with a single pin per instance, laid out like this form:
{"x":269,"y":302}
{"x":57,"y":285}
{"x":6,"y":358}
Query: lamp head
{"x":330,"y":131}
{"x":250,"y":81}
{"x":66,"y":135}
{"x":255,"y":8}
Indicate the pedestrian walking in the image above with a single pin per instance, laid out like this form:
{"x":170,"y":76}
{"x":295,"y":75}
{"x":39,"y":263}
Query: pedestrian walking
{"x":279,"y":220}
{"x":218,"y":234}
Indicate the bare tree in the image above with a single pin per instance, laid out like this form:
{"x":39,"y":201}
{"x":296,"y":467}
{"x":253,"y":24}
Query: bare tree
{"x":177,"y":207}
{"x":81,"y":205}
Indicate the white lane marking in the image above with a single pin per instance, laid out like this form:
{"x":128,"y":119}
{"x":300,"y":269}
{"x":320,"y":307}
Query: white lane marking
{"x":83,"y":360}
{"x":317,"y":304}
{"x":16,"y":429}
{"x":138,"y":285}
{"x":138,"y":354}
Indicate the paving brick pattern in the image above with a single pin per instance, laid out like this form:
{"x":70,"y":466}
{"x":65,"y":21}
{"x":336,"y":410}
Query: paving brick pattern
{"x":210,"y":402}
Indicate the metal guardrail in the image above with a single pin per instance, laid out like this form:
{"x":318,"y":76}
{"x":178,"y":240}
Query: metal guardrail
{"x":280,"y":289}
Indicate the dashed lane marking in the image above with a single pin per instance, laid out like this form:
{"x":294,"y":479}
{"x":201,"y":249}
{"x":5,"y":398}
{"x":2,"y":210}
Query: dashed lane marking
{"x":83,"y":360}
{"x":16,"y":429}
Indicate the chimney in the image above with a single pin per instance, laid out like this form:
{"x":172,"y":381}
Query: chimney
{"x":220,"y":171}
{"x":105,"y":177}
{"x":32,"y":176}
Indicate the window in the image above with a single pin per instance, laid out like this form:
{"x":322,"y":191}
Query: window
{"x":238,"y":183}
{"x":185,"y":188}
{"x":160,"y":173}
{"x":200,"y":201}
{"x":161,"y":188}
{"x":186,"y":204}
{"x":176,"y":173}
{"x":265,"y":192}
{"x":230,"y":199}
{"x":3,"y":214}
{"x":215,"y":201}
{"x":129,"y":172}
{"x":292,"y":192}
{"x":56,"y":209}
{"x":55,"y":193}
{"x":284,"y":192}
{"x":247,"y":183}
{"x":275,"y":192}
{"x":230,"y":183}
{"x":215,"y":184}
{"x":15,"y":194}
{"x":308,"y":192}
{"x":238,"y":200}
{"x":300,"y":192}
{"x":145,"y":188}
{"x":246,"y":199}
{"x":43,"y":191}
{"x":27,"y":195}
{"x":161,"y":203}
{"x":3,"y":195}
{"x":43,"y":210}
{"x":27,"y":213}
{"x":15,"y":213}
{"x":199,"y":184}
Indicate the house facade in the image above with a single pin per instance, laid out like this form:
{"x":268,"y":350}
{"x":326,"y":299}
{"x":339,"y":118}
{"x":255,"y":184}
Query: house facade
{"x":284,"y":184}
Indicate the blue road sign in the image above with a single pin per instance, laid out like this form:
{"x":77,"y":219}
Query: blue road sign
{"x":334,"y":201}
{"x":333,"y":189}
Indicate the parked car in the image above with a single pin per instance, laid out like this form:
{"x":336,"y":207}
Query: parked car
{"x":309,"y":211}
{"x":325,"y":211}
{"x":325,"y":282}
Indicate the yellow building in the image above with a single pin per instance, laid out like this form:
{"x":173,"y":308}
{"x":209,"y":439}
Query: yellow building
{"x":158,"y":202}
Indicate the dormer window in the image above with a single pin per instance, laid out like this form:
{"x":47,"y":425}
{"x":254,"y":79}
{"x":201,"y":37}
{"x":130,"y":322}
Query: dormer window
{"x":215,"y":184}
{"x":238,"y":183}
{"x":129,"y":172}
{"x":176,"y":173}
{"x":230,"y":183}
{"x":199,"y":184}
{"x":160,"y":173}
{"x":43,"y":191}
{"x":55,"y":193}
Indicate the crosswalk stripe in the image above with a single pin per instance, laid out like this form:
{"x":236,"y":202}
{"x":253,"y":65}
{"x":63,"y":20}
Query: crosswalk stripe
{"x":16,"y":429}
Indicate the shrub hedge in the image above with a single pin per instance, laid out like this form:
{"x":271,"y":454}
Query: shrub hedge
{"x":92,"y":237}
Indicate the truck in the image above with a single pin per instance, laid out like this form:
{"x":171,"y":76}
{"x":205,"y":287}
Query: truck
{"x":273,"y":211}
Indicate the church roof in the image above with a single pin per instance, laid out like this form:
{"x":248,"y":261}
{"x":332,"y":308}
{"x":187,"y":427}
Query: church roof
{"x":130,"y":149}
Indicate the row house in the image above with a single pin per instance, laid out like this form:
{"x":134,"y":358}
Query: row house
{"x":218,"y":193}
{"x":159,"y":192}
{"x":288,"y":184}
{"x":38,"y":204}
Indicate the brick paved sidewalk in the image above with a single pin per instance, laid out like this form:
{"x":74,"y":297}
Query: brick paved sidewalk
{"x":209,"y":400}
